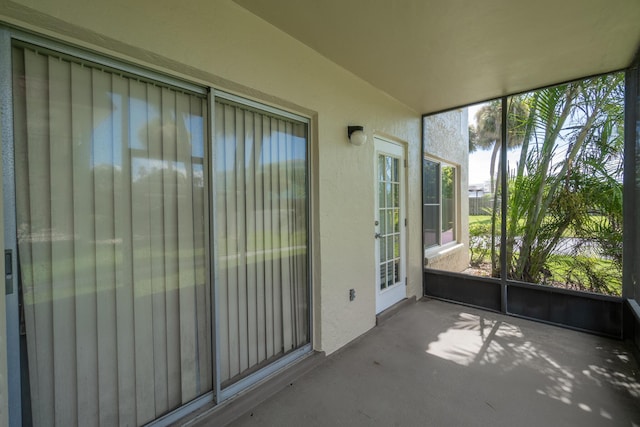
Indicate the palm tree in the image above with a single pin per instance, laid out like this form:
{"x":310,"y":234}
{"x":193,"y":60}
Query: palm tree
{"x":568,"y":178}
{"x":570,"y":168}
{"x":486,"y":133}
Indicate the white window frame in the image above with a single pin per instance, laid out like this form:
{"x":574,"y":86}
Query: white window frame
{"x":456,"y":206}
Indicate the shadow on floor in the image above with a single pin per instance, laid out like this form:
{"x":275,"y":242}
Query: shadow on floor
{"x":440,"y":364}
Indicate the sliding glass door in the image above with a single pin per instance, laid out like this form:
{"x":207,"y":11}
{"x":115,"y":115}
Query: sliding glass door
{"x":261,"y":235}
{"x":160,"y":263}
{"x":111,"y":211}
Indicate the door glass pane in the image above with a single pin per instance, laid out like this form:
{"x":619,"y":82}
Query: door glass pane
{"x":390,"y":225}
{"x":396,"y":220}
{"x":395,"y":195}
{"x":394,"y":177}
{"x":396,"y":246}
{"x":390,"y":275}
{"x":383,"y":249}
{"x":111,"y":208}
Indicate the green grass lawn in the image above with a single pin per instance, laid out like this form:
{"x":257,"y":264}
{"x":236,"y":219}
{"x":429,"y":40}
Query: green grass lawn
{"x":479,"y":219}
{"x":485,"y":220}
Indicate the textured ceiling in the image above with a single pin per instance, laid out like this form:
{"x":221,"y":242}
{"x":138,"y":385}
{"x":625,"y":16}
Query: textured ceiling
{"x":438,"y":54}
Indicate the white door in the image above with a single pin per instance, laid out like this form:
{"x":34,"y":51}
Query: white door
{"x":390,"y":223}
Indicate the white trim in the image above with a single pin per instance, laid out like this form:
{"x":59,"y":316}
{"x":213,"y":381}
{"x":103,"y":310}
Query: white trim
{"x":442,"y":247}
{"x":398,"y":291}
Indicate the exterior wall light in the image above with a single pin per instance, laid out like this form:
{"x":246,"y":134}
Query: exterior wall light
{"x":356,"y":135}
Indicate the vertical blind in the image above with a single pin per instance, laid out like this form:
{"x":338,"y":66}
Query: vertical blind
{"x":112,"y":225}
{"x":261,"y":234}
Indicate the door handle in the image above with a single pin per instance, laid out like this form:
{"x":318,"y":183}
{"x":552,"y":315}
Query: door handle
{"x":8,"y":272}
{"x":377,"y":235}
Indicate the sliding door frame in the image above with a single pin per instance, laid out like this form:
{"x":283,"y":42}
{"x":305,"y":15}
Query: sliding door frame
{"x":231,"y":390}
{"x":12,"y":292}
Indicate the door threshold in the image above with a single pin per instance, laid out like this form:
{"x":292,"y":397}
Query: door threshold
{"x":232,"y":408}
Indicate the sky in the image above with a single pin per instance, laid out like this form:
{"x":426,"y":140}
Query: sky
{"x":480,"y":161}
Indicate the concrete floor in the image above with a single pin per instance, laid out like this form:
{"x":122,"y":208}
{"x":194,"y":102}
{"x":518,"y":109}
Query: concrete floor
{"x":440,"y":364}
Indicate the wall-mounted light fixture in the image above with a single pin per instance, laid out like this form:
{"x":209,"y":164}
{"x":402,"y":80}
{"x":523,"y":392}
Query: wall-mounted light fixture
{"x":356,"y":135}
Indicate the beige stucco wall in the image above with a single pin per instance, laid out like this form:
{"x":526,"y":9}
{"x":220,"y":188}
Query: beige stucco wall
{"x":446,"y":138}
{"x":219,"y":44}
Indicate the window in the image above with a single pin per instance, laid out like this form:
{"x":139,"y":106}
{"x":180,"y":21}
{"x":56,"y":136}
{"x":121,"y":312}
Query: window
{"x":439,"y":203}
